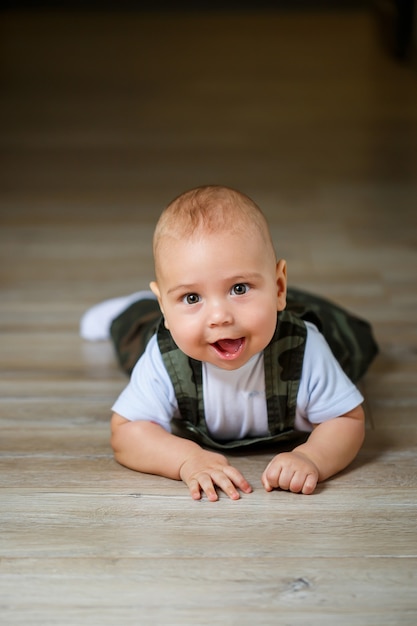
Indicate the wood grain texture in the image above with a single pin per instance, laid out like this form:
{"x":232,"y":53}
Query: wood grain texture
{"x":105,"y":117}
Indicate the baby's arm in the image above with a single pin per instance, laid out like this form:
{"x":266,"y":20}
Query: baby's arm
{"x":329,"y":449}
{"x":147,"y":447}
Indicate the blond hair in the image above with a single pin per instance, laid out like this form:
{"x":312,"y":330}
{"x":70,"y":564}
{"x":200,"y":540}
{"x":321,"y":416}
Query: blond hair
{"x":208,"y":210}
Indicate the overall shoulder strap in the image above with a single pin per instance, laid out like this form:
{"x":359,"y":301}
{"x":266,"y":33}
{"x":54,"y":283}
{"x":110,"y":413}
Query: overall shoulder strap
{"x":186,"y":376}
{"x":283,"y":362}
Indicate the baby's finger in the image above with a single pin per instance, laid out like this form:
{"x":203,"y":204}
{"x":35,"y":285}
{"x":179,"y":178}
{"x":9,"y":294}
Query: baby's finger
{"x":298,"y":481}
{"x":237,"y":479}
{"x":310,"y":484}
{"x":206,"y":484}
{"x":225,"y":484}
{"x":270,"y":477}
{"x":194,"y":488}
{"x":285,"y":477}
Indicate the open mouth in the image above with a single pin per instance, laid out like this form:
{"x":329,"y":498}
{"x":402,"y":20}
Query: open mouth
{"x":229,"y":348}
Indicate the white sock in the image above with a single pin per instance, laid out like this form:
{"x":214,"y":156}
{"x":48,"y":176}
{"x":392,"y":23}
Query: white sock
{"x":96,"y":321}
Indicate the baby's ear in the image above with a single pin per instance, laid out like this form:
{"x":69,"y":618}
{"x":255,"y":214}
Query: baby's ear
{"x":281,"y":275}
{"x":156,"y":291}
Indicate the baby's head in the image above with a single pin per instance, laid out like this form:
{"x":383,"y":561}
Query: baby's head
{"x":207,"y":211}
{"x":218,"y":282}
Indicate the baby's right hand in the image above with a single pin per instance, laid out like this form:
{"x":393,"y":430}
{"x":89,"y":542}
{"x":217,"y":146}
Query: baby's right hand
{"x":204,"y":471}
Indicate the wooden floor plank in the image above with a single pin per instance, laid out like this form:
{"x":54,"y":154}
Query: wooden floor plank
{"x":59,"y":524}
{"x":296,"y":591}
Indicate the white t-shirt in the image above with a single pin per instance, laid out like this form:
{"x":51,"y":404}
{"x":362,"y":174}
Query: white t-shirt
{"x":234,"y":401}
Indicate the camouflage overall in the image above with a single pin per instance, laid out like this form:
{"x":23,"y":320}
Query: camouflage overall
{"x":349,"y":337}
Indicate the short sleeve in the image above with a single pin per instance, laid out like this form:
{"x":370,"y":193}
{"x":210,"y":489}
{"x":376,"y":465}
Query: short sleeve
{"x":325,"y":391}
{"x":149,"y":396}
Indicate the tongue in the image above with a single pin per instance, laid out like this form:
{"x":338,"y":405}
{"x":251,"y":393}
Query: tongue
{"x":229,"y":345}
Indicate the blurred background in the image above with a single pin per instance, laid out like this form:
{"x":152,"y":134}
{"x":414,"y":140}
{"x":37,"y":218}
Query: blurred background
{"x":106,"y":103}
{"x":110,"y":109}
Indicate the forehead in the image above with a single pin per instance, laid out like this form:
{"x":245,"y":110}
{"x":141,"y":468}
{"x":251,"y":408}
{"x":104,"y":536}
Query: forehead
{"x":216,"y":253}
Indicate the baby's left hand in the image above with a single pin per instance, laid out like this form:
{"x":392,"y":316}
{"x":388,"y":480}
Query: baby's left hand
{"x":292,"y":471}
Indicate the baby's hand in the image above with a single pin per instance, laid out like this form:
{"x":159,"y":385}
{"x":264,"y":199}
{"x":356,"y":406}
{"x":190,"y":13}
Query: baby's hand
{"x":205,"y":470}
{"x":291,"y":471}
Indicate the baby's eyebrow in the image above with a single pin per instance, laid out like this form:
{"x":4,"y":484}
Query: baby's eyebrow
{"x":184,"y":288}
{"x":243,"y":278}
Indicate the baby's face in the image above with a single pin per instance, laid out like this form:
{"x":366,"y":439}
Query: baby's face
{"x":220,"y":294}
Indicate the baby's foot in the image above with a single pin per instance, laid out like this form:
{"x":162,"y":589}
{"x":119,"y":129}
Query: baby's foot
{"x":96,"y":321}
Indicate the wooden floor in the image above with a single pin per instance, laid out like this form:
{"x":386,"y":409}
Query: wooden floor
{"x":105,"y":117}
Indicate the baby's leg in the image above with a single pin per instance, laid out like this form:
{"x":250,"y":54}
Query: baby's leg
{"x":96,"y":322}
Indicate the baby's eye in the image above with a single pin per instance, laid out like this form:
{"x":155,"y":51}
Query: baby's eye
{"x":191,"y":298}
{"x":240,"y":289}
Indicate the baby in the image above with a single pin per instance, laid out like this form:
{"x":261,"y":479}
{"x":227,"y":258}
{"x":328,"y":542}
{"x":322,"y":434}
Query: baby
{"x":229,"y":365}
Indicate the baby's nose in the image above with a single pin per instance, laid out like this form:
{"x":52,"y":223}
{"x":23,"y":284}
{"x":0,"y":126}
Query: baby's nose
{"x":219,"y":314}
